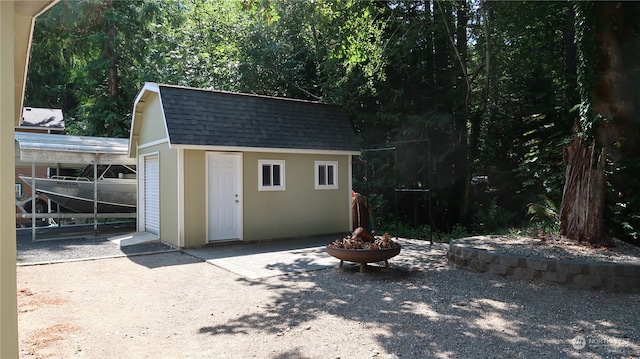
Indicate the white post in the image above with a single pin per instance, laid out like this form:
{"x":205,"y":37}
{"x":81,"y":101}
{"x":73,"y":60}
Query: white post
{"x":95,"y":199}
{"x":33,"y":201}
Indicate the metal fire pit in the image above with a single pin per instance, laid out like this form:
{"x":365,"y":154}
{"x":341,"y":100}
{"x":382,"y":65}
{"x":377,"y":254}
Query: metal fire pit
{"x":364,"y":256}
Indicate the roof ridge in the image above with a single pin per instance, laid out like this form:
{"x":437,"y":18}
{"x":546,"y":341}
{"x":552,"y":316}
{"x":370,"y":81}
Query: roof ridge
{"x":246,"y":94}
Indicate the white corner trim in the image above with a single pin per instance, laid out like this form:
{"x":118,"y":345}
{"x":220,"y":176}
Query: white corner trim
{"x":153,"y":143}
{"x":181,"y":220}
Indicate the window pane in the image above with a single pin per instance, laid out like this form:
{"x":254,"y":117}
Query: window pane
{"x":266,"y":175}
{"x":330,"y":175}
{"x":276,"y":175}
{"x":322,"y":175}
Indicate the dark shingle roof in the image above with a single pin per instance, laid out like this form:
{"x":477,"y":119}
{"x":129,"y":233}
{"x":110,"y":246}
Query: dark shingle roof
{"x":215,"y":118}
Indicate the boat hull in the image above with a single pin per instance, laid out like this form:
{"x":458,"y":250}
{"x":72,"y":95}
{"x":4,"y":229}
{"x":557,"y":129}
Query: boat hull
{"x":114,"y":195}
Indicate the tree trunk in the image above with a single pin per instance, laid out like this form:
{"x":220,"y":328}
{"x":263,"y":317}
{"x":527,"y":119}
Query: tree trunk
{"x":570,"y":53}
{"x":112,"y":80}
{"x":612,"y":98}
{"x":581,"y":214}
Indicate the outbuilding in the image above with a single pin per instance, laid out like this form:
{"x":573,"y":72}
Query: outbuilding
{"x":222,"y":166}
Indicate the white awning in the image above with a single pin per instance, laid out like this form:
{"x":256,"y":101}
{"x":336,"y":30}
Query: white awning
{"x":69,"y":151}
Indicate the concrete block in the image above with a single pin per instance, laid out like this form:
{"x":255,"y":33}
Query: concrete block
{"x":469,"y":253}
{"x":631,"y":270}
{"x":540,"y":264}
{"x":512,"y":261}
{"x":555,"y":277}
{"x":478,"y":265}
{"x":486,"y":256}
{"x":460,"y":261}
{"x":525,"y":273}
{"x":606,"y":269}
{"x":572,"y":267}
{"x":498,"y":269}
{"x":455,"y":248}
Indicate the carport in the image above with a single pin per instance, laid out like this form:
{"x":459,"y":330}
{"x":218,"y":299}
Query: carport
{"x":61,"y":151}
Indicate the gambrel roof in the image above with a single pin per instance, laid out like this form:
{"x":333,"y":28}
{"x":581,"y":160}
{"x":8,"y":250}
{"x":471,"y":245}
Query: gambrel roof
{"x":208,"y":118}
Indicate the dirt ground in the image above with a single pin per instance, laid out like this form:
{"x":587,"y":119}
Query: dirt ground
{"x":172,"y":305}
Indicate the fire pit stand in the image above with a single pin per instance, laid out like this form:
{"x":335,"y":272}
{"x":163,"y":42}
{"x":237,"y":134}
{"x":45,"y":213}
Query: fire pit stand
{"x":364,"y":256}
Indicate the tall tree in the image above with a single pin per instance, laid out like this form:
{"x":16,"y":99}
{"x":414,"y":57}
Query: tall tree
{"x":607,"y":39}
{"x":101,"y":45}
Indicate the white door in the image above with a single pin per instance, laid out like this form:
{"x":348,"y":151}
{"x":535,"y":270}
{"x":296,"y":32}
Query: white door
{"x":151,"y":192}
{"x":224,"y":196}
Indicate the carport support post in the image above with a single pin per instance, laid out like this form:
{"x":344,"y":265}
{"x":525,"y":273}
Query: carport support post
{"x":33,"y":201}
{"x":95,"y":198}
{"x":8,"y":116}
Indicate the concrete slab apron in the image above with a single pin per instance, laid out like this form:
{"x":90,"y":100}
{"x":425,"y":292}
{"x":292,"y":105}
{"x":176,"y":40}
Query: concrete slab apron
{"x":266,"y":259}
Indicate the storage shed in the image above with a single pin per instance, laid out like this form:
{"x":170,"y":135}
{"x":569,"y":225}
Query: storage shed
{"x":222,"y":166}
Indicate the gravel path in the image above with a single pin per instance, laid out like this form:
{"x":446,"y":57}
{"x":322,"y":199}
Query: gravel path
{"x":556,"y":248}
{"x":76,"y":243}
{"x":172,"y":305}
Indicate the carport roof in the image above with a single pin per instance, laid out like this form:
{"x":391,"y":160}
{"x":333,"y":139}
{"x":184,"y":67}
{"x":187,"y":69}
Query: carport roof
{"x":47,"y":150}
{"x":42,"y":118}
{"x":209,"y":118}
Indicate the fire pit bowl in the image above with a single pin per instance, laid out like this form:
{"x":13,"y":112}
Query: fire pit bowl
{"x":364,"y":256}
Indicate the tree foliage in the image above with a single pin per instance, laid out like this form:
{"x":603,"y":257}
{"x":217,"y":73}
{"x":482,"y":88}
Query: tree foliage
{"x":474,"y":100}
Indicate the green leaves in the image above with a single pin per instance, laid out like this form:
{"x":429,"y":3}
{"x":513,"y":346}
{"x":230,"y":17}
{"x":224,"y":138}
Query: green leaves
{"x":490,"y":83}
{"x":543,"y":211}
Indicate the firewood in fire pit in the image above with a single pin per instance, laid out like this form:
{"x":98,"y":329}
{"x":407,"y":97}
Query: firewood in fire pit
{"x":363,"y":234}
{"x":354,"y":242}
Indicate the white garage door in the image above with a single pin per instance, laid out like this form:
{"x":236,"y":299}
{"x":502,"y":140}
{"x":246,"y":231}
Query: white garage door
{"x":151,"y":192}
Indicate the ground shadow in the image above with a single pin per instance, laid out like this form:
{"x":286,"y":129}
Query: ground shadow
{"x":235,"y":249}
{"x":428,"y":309}
{"x":80,"y":248}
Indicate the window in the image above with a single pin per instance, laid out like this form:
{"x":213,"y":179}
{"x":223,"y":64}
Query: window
{"x":326,"y":175}
{"x":271,"y":175}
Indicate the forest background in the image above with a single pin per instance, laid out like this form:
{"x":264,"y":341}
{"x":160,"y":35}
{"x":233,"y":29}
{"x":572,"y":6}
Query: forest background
{"x":475,"y":101}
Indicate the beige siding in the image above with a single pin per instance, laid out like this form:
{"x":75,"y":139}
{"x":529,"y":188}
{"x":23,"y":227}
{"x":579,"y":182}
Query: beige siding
{"x":195,"y":198}
{"x":168,"y":192}
{"x":152,"y":126}
{"x":152,"y":130}
{"x":169,"y":196}
{"x":8,"y":103}
{"x":300,"y":210}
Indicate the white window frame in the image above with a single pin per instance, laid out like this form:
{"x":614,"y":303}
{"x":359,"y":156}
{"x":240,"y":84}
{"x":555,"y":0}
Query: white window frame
{"x":334,"y":178}
{"x":282,"y":172}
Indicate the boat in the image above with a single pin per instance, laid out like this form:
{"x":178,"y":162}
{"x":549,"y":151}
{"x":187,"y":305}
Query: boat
{"x":116,"y":186}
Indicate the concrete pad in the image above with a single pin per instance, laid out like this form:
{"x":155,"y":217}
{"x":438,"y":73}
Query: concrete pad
{"x":134,"y":238}
{"x":266,"y":259}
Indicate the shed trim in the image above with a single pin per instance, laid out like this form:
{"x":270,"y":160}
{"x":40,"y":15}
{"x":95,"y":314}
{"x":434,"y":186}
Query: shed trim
{"x":138,"y":109}
{"x":181,"y":214}
{"x":265,"y":149}
{"x":153,"y":143}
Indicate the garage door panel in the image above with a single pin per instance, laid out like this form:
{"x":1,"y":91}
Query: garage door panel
{"x":152,"y":194}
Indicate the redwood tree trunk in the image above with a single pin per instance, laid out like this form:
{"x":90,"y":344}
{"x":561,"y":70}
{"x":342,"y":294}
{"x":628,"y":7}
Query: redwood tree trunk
{"x":581,"y":214}
{"x":612,"y":97}
{"x":112,"y":80}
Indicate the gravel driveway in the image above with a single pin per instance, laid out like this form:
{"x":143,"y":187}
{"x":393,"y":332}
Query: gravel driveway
{"x":173,"y":305}
{"x":54,"y":245}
